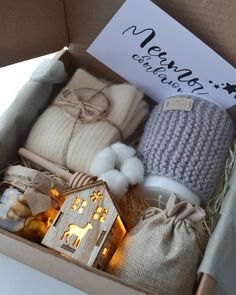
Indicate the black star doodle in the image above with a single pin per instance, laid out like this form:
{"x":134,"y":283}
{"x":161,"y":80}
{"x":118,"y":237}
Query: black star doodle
{"x":216,"y":86}
{"x":210,"y":81}
{"x":230,"y":88}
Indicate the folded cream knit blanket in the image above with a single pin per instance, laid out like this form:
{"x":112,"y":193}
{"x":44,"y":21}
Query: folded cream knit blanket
{"x":87,"y":115}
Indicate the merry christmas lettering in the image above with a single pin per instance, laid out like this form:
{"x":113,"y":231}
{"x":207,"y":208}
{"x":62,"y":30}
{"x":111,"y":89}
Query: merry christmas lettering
{"x":165,"y":64}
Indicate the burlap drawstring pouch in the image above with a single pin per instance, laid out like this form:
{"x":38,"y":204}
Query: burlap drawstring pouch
{"x":162,"y":251}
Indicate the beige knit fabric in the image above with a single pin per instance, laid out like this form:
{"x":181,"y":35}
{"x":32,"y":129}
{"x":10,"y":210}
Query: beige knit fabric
{"x":51,"y":133}
{"x":161,"y":253}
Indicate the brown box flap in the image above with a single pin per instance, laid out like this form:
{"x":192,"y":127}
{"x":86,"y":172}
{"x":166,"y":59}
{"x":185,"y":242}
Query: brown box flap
{"x":213,"y":21}
{"x":31,"y":28}
{"x":87,"y":18}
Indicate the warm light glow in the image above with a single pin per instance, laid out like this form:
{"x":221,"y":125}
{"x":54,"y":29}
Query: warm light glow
{"x":96,"y":196}
{"x":95,"y":216}
{"x":84,"y":203}
{"x":104,"y":252}
{"x":99,"y":209}
{"x":81,"y":210}
{"x":102,"y":219}
{"x":121,"y":225}
{"x":77,"y":231}
{"x":100,"y":214}
{"x":79,"y":205}
{"x":54,"y":192}
{"x":104,"y":214}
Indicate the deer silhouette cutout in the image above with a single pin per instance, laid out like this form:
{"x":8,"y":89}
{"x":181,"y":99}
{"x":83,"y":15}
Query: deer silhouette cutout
{"x":77,"y":231}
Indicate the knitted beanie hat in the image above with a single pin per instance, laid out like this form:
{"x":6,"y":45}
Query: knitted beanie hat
{"x":187,"y":145}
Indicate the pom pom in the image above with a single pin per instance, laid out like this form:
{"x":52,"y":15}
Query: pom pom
{"x":133,"y":169}
{"x":104,"y":161}
{"x":123,"y":152}
{"x":117,"y":183}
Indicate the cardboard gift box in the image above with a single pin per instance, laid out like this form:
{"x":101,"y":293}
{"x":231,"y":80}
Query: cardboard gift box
{"x":31,"y":28}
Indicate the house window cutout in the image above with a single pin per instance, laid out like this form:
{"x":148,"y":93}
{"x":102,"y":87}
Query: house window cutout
{"x":102,"y":219}
{"x":95,"y":216}
{"x":100,"y":214}
{"x":104,"y":215}
{"x":105,"y":251}
{"x":57,"y":221}
{"x":99,"y":209}
{"x":96,"y":196}
{"x":79,"y":205}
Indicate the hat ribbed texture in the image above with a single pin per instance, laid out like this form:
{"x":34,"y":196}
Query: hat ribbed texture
{"x":188,"y":147}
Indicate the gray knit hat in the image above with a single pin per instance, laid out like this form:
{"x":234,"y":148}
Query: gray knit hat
{"x":187,"y":145}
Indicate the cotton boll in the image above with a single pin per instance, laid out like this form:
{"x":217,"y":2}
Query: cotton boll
{"x":117,"y":183}
{"x":133,"y":169}
{"x":123,"y":152}
{"x":104,"y":161}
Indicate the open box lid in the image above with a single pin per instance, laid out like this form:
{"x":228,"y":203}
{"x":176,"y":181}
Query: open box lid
{"x":30,"y":28}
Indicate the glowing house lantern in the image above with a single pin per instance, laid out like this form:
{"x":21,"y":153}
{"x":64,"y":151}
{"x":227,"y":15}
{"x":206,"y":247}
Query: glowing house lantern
{"x":88,"y":227}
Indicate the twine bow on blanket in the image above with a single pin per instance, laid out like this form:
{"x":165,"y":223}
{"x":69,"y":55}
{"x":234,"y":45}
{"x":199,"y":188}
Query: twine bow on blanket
{"x":90,"y":110}
{"x":85,"y":106}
